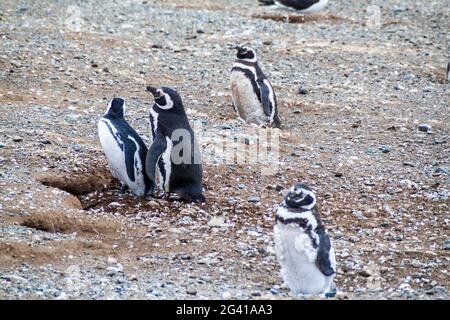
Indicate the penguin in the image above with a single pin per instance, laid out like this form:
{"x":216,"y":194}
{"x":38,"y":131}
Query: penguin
{"x":124,"y":149}
{"x":253,"y":96}
{"x":303,"y":248}
{"x":173,"y":157}
{"x":302,"y":6}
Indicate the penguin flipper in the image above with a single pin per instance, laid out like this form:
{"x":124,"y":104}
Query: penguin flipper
{"x":129,"y":151}
{"x":265,"y":93}
{"x":324,"y":258}
{"x":157,"y":148}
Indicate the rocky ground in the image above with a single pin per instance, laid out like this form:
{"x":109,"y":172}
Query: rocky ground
{"x":371,"y":74}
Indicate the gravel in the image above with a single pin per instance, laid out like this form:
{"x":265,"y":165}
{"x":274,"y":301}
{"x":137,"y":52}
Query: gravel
{"x":369,"y":89}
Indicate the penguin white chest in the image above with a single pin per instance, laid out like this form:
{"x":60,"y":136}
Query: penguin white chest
{"x":296,"y":256}
{"x":110,"y":142}
{"x":245,"y":99}
{"x":166,"y":160}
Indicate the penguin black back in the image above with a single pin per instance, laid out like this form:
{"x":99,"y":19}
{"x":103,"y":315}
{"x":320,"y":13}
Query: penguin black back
{"x":174,"y":151}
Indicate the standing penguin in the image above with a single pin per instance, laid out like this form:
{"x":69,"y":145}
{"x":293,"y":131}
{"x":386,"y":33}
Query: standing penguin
{"x":303,"y":248}
{"x":252,"y":93}
{"x":174,"y":156}
{"x":124,"y":149}
{"x":302,"y":6}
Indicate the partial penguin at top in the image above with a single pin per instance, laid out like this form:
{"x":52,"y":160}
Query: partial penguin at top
{"x":174,"y":159}
{"x":124,"y":149}
{"x":301,"y":6}
{"x":253,"y":96}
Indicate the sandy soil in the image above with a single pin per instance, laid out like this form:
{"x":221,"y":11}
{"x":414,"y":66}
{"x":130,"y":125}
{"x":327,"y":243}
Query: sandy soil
{"x":382,"y":184}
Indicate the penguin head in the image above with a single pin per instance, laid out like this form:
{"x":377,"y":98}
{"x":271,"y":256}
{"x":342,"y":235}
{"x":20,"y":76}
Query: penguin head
{"x":166,"y":98}
{"x":246,"y":53}
{"x":300,"y":196}
{"x":116,"y":108}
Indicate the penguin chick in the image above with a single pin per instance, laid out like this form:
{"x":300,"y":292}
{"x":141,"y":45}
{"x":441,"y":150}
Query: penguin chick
{"x":303,"y":248}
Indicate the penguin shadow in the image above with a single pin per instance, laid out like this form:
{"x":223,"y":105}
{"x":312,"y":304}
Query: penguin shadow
{"x":298,"y":18}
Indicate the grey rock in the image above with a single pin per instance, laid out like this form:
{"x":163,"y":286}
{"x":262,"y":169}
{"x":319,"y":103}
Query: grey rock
{"x":254,"y":199}
{"x":425,"y":128}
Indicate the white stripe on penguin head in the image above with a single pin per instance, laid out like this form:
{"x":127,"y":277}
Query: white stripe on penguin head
{"x":169,"y":102}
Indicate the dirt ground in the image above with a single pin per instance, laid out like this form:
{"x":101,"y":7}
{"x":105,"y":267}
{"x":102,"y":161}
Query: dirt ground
{"x":372,"y":73}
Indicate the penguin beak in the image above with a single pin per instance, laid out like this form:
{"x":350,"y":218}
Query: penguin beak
{"x":152,"y":90}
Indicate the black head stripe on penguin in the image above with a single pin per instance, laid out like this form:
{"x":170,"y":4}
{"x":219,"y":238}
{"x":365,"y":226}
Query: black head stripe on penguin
{"x":245,"y":53}
{"x":116,"y":108}
{"x":166,"y":98}
{"x":300,"y":196}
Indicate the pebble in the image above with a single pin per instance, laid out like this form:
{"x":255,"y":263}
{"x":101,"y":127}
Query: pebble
{"x":110,"y":82}
{"x":17,"y":139}
{"x":302,"y":91}
{"x":425,"y":128}
{"x":447,"y":244}
{"x":226,"y":295}
{"x":296,"y":111}
{"x":191,"y":290}
{"x":254,"y":199}
{"x":385,"y":149}
{"x":76,"y":147}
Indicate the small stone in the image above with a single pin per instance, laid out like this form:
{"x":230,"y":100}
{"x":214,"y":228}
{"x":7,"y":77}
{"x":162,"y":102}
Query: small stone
{"x":302,"y":91}
{"x":267,"y":42}
{"x":153,"y":204}
{"x":46,"y":142}
{"x":278,"y":188}
{"x":254,"y":199}
{"x":242,"y":186}
{"x":76,"y":147}
{"x":226,"y":127}
{"x":191,"y":290}
{"x":226,"y":295}
{"x":110,"y":82}
{"x":2,"y":145}
{"x":296,"y":111}
{"x":106,"y":70}
{"x":385,"y":149}
{"x":295,"y":154}
{"x":217,"y":222}
{"x":447,"y":244}
{"x":17,"y":139}
{"x":200,"y":31}
{"x":338,"y":174}
{"x":425,"y":128}
{"x":440,"y":170}
{"x":398,"y":87}
{"x":364,"y":273}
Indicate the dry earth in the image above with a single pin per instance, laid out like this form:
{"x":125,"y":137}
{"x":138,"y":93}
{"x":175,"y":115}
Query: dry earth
{"x":382,"y":184}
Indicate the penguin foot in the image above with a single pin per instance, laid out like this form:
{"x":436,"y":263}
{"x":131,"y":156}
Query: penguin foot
{"x":123,"y":189}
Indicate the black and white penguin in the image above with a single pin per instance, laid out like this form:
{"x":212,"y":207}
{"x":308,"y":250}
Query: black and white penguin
{"x":124,"y":149}
{"x":253,"y":96}
{"x":174,"y":157}
{"x":303,"y":248}
{"x":302,"y":6}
